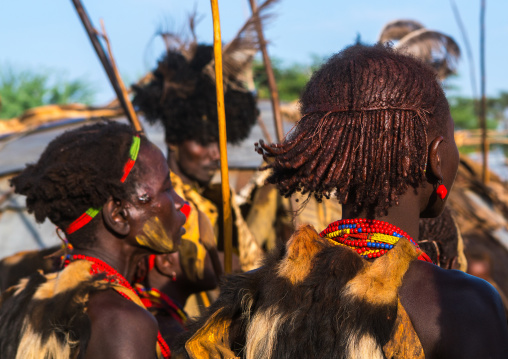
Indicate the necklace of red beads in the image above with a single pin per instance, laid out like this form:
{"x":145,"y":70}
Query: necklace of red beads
{"x":370,"y":238}
{"x":113,"y":276}
{"x":154,"y":298}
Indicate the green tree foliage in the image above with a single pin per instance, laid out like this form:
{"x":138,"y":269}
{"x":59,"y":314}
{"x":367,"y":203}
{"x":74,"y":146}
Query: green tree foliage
{"x":21,"y":90}
{"x":291,"y":79}
{"x":465,"y":115}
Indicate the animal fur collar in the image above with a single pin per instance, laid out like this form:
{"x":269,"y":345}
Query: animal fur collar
{"x":45,"y":315}
{"x":310,"y":299}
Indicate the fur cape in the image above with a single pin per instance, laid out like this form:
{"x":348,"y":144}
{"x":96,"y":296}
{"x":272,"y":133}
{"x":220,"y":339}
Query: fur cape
{"x":310,"y":299}
{"x":45,"y":315}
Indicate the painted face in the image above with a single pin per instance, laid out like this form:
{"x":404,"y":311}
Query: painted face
{"x":157,"y":207}
{"x":198,"y":162}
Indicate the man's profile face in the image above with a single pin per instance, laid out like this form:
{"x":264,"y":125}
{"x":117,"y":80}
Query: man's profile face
{"x":198,"y":162}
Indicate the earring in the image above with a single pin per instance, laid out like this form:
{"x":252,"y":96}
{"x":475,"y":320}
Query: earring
{"x":441,"y":190}
{"x":64,"y":252}
{"x":173,"y":277}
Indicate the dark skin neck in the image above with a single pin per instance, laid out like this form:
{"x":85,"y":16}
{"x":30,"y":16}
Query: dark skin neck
{"x":406,"y":215}
{"x":115,"y":252}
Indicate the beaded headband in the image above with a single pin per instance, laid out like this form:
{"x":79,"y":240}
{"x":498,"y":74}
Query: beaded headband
{"x":86,"y":217}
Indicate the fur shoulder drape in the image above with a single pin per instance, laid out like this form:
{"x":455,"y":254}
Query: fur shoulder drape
{"x":45,"y":315}
{"x":310,"y":299}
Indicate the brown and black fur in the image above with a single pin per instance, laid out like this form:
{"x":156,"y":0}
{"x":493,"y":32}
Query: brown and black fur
{"x":48,"y":313}
{"x":304,"y":303}
{"x":23,"y":264}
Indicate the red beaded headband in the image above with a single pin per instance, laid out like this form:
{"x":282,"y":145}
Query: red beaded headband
{"x":86,"y":217}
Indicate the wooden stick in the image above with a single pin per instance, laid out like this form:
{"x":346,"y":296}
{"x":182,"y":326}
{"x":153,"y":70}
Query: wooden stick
{"x":483,"y":103}
{"x":264,"y":129}
{"x":274,"y":94}
{"x":130,"y":109}
{"x":226,"y":200}
{"x":106,"y":64}
{"x":469,"y":52}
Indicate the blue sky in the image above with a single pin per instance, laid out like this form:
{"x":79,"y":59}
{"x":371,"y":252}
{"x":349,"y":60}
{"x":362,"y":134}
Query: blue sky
{"x":37,"y":34}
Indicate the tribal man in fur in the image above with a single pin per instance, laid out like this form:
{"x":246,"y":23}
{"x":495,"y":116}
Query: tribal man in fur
{"x":180,"y":95}
{"x":377,"y":134}
{"x":107,"y":189}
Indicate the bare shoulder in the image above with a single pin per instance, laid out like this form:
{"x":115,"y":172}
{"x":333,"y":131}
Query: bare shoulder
{"x":455,"y":315}
{"x":120,"y":328}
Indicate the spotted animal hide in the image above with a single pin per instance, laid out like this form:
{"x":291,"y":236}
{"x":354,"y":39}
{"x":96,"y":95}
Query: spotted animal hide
{"x":310,"y":299}
{"x":45,"y":315}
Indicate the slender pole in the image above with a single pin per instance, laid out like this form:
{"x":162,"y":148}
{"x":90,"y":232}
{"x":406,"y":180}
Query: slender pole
{"x":266,"y":134}
{"x":106,"y":64}
{"x":129,"y":108}
{"x":226,"y":201}
{"x":469,"y":52}
{"x":483,"y":104}
{"x":274,"y":94}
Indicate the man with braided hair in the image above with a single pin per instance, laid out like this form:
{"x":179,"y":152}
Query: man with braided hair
{"x":377,"y":134}
{"x":107,"y":189}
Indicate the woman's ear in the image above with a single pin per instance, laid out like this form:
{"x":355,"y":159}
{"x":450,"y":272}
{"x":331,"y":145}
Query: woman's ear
{"x":115,"y":217}
{"x":434,"y":167}
{"x":164,"y":264}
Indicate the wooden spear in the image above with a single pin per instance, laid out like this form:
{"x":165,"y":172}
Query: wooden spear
{"x":483,"y":103}
{"x":274,"y":94}
{"x":469,"y":53}
{"x":226,"y":200}
{"x":106,"y":61}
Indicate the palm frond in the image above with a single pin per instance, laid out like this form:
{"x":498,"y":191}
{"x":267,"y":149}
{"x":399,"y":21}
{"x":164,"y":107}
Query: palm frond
{"x":435,"y":48}
{"x":397,"y":29}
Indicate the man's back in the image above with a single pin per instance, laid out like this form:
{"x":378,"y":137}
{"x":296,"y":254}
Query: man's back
{"x":454,"y":314}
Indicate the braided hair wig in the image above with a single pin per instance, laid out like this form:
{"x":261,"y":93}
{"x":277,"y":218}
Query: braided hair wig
{"x":79,"y":169}
{"x":363,"y":135}
{"x":181,"y":96}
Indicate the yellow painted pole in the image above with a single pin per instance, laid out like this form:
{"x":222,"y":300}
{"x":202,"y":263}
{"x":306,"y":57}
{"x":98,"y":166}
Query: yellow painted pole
{"x":226,"y":200}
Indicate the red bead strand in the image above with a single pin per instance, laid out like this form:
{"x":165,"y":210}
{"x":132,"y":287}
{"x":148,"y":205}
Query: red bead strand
{"x":113,"y":276}
{"x":370,"y":238}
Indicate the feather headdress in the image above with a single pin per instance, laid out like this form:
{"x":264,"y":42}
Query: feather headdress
{"x":181,"y":91}
{"x":433,"y":47}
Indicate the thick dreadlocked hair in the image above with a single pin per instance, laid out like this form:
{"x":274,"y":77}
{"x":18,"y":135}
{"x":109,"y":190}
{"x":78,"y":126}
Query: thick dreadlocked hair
{"x":182,"y":97}
{"x":439,"y":238}
{"x":363,"y":134}
{"x":79,"y":169}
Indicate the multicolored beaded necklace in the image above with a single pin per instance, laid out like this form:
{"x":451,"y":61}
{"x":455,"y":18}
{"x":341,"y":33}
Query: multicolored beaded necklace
{"x":370,"y":238}
{"x":154,"y":298}
{"x":113,"y":276}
